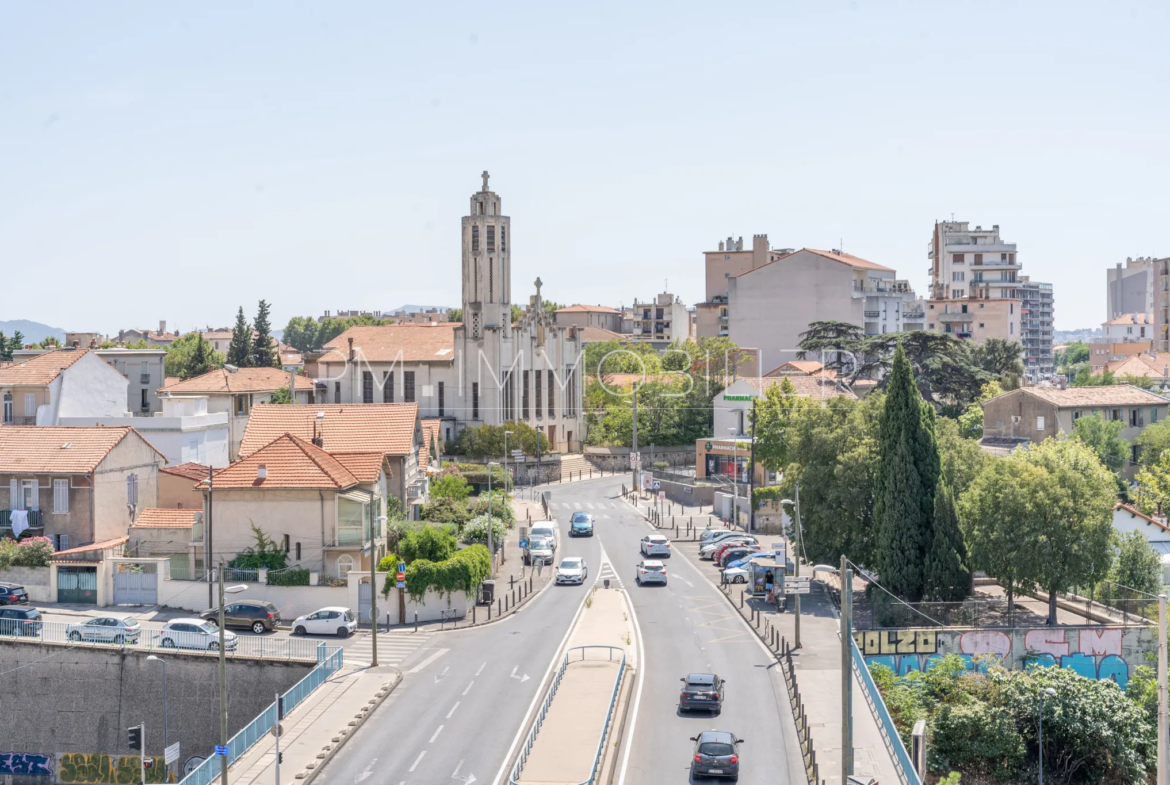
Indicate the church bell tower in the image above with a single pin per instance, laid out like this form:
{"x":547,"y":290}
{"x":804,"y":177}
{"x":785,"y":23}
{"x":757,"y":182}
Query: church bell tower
{"x":487,"y":267}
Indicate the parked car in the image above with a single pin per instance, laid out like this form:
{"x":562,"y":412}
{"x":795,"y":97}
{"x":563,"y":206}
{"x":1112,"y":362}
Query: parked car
{"x":20,"y":621}
{"x":200,"y":634}
{"x":547,"y":530}
{"x":713,"y":552}
{"x":734,"y":554}
{"x":539,"y":549}
{"x":736,"y":575}
{"x":327,"y":621}
{"x":581,"y":525}
{"x":705,"y":551}
{"x":704,"y":691}
{"x":743,"y":561}
{"x":727,"y":545}
{"x":716,"y":755}
{"x":650,"y":571}
{"x":710,"y":534}
{"x":572,"y":569}
{"x":11,"y":594}
{"x":719,"y":537}
{"x":116,"y":628}
{"x":250,"y":614}
{"x":655,"y":545}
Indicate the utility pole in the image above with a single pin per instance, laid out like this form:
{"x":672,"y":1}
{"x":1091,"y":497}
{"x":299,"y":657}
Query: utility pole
{"x":373,"y":603}
{"x":276,"y":733}
{"x":142,"y":754}
{"x":207,"y":549}
{"x":636,"y":458}
{"x":752,"y":501}
{"x":1163,"y":712}
{"x":846,"y":670}
{"x":223,"y":708}
{"x":796,"y":561}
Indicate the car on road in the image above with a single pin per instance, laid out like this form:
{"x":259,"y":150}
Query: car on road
{"x":655,"y":545}
{"x":539,"y":549}
{"x":572,"y":569}
{"x":200,"y":634}
{"x":334,"y":620}
{"x":547,"y":530}
{"x":735,"y":575}
{"x":650,"y":571}
{"x":116,"y":628}
{"x":702,"y":691}
{"x":11,"y":594}
{"x":252,"y":615}
{"x":18,"y":622}
{"x":581,"y":525}
{"x":716,"y":755}
{"x":735,"y":554}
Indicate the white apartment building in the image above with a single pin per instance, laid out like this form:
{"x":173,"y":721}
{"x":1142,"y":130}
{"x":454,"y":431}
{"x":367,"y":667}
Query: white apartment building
{"x":144,"y":369}
{"x":185,"y":431}
{"x":1130,"y":289}
{"x":661,"y":321}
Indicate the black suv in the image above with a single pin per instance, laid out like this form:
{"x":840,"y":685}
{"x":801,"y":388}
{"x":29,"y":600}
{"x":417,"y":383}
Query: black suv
{"x":250,"y":614}
{"x":12,"y":595}
{"x":20,"y":621}
{"x":704,"y":691}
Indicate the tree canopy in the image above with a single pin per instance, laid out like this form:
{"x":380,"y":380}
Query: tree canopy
{"x":191,"y":355}
{"x":239,"y":351}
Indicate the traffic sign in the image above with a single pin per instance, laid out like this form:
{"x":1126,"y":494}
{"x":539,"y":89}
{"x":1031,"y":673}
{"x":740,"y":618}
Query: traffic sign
{"x":524,"y":543}
{"x":661,"y":495}
{"x":172,"y":753}
{"x":221,"y":750}
{"x":400,"y":576}
{"x":402,"y":566}
{"x":657,"y":485}
{"x":400,"y":584}
{"x":796,"y":588}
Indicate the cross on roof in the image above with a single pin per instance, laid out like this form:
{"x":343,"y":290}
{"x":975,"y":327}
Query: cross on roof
{"x":538,"y":285}
{"x":485,"y":176}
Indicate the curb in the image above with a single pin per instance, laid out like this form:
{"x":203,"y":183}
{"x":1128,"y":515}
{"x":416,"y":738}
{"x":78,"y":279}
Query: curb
{"x":609,"y":758}
{"x":307,"y":775}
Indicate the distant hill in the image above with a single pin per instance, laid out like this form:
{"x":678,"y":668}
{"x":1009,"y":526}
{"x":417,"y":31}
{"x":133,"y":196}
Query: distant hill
{"x":34,"y":332}
{"x":416,"y":308}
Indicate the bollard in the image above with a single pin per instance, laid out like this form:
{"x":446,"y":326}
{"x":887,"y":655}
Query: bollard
{"x":499,"y":606}
{"x":529,"y":583}
{"x":416,"y":621}
{"x":489,"y":607}
{"x":741,"y":598}
{"x":511,"y":581}
{"x":513,"y":598}
{"x":473,"y":614}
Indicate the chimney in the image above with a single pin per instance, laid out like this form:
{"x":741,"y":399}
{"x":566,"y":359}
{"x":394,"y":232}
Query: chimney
{"x":93,"y":343}
{"x":261,"y":472}
{"x":162,"y":327}
{"x":77,"y":344}
{"x":351,"y":349}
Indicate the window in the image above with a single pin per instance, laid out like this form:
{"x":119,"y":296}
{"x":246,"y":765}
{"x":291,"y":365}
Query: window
{"x":441,"y":399}
{"x":1040,"y":423}
{"x":503,"y":239}
{"x":475,"y":400}
{"x":145,"y":402}
{"x":552,"y":394}
{"x":1137,"y":418}
{"x":539,"y":398}
{"x":491,"y":239}
{"x":491,"y":280}
{"x":957,"y":258}
{"x":286,"y":543}
{"x":30,"y":405}
{"x":1153,"y":414}
{"x":1129,"y":330}
{"x":243,"y":403}
{"x":8,"y":408}
{"x":978,"y":258}
{"x":337,"y":392}
{"x":957,"y":276}
{"x":298,"y":551}
{"x":367,"y":387}
{"x":132,"y":488}
{"x":408,"y":386}
{"x":981,"y":325}
{"x":25,"y":496}
{"x":1012,"y":328}
{"x":475,"y":239}
{"x":60,"y":496}
{"x":524,"y":394}
{"x":1077,"y":414}
{"x":1133,"y":453}
{"x":387,"y":387}
{"x":344,"y":565}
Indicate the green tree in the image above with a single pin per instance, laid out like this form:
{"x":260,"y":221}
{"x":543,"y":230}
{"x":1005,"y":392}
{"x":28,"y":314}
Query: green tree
{"x":301,"y":333}
{"x":961,"y":458}
{"x":608,"y":357}
{"x":239,"y":351}
{"x":946,"y":578}
{"x":280,"y":396}
{"x":1153,"y":482}
{"x":774,"y":416}
{"x":1103,"y":438}
{"x":1152,"y":442}
{"x":971,"y":421}
{"x":191,"y":355}
{"x":50,"y":342}
{"x":450,"y":486}
{"x":487,"y":441}
{"x":907,"y":473}
{"x":5,"y":348}
{"x":264,"y":353}
{"x":429,"y":542}
{"x":455,"y":315}
{"x":1138,"y":566}
{"x":1076,"y":352}
{"x":17,"y":342}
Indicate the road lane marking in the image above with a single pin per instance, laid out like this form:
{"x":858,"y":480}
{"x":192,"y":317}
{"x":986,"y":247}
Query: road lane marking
{"x":437,"y":732}
{"x":481,"y":667}
{"x":456,"y":706}
{"x":366,"y":772}
{"x":628,"y":743}
{"x":418,"y":668}
{"x":416,"y":761}
{"x":469,"y":685}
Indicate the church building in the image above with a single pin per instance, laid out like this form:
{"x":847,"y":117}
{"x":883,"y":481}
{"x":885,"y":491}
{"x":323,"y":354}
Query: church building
{"x":482,"y":370}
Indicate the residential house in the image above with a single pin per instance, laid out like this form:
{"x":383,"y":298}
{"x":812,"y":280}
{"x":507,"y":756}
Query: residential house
{"x":185,"y":430}
{"x":1154,"y":368}
{"x":174,"y":534}
{"x":62,"y":383}
{"x":802,"y":368}
{"x":1033,"y":414}
{"x":178,"y":486}
{"x":144,"y":369}
{"x":77,"y":485}
{"x":732,"y":407}
{"x":600,"y":335}
{"x":235,"y":391}
{"x":159,"y":337}
{"x":1127,"y":518}
{"x":583,"y":316}
{"x":660,"y":322}
{"x":1122,"y":337}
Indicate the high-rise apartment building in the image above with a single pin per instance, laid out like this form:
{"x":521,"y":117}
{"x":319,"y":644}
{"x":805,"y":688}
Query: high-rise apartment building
{"x":1130,"y":289}
{"x":1161,"y":280}
{"x":1036,"y":322}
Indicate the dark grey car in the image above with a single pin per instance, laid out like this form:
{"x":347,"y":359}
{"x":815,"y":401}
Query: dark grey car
{"x":702,"y":692}
{"x":716,"y":755}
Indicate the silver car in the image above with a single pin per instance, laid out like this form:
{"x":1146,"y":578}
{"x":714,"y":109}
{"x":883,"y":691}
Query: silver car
{"x":115,"y":628}
{"x":201,"y":634}
{"x":572,"y":569}
{"x":539,"y":549}
{"x":651,"y":571}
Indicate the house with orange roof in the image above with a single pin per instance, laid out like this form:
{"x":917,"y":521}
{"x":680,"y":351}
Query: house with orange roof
{"x":42,"y":388}
{"x":75,"y":485}
{"x":178,"y":486}
{"x":143,"y":369}
{"x":582,"y":316}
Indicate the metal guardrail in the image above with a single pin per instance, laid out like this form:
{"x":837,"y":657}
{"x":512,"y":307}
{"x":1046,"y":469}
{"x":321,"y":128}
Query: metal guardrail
{"x":76,"y":634}
{"x":906,"y":772}
{"x":330,"y":659}
{"x":513,"y":778}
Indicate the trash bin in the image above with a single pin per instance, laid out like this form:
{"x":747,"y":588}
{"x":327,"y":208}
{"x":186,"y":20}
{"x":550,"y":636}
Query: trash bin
{"x":487,"y":592}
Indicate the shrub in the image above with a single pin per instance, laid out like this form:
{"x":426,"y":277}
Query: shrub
{"x":388,"y":563}
{"x":445,"y":511}
{"x":977,"y":738}
{"x":432,"y":543}
{"x":501,"y":506}
{"x":33,"y":552}
{"x":905,"y":698}
{"x":464,"y":571}
{"x":266,"y":554}
{"x":450,"y":486}
{"x":476,"y":530}
{"x":294,"y":577}
{"x":8,"y":549}
{"x":477,"y":474}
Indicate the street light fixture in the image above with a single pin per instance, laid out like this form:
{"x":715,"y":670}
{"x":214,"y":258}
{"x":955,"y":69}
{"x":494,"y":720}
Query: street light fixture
{"x":223,"y":711}
{"x":160,"y":660}
{"x":1052,"y":694}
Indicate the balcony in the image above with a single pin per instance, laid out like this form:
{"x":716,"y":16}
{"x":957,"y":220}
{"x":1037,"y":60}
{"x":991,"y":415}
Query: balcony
{"x":350,"y":535}
{"x":144,"y":378}
{"x":35,"y":522}
{"x":956,"y":317}
{"x":872,"y":314}
{"x":912,"y":316}
{"x":723,"y":320}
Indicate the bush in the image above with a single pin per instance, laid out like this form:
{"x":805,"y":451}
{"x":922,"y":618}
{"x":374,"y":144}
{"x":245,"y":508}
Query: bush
{"x":501,"y":506}
{"x":977,"y":738}
{"x":447,"y":511}
{"x":33,"y":552}
{"x":265,"y":554}
{"x":294,"y":577}
{"x":450,"y":486}
{"x":476,"y":530}
{"x":431,"y":543}
{"x":464,"y":571}
{"x":8,"y":549}
{"x":477,"y":474}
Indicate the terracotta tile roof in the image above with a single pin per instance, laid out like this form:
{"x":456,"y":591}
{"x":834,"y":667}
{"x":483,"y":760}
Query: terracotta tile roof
{"x":42,"y":449}
{"x":1140,"y":365}
{"x":1138,"y":513}
{"x":366,"y":466}
{"x":406,"y":342}
{"x":386,"y":428}
{"x":843,"y":258}
{"x":91,"y":548}
{"x":588,"y":309}
{"x":188,"y":471}
{"x":810,"y":386}
{"x":41,"y":369}
{"x":290,"y":463}
{"x":169,"y":380}
{"x":1106,"y":395}
{"x":802,"y":367}
{"x":1132,"y":318}
{"x":242,"y":380}
{"x":599,"y":334}
{"x":163,"y":518}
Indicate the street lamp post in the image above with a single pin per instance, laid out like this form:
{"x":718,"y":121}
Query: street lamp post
{"x":734,"y":477}
{"x":796,"y":559}
{"x":491,"y":551}
{"x":1050,"y":693}
{"x":223,"y":708}
{"x":374,"y":597}
{"x":161,"y":661}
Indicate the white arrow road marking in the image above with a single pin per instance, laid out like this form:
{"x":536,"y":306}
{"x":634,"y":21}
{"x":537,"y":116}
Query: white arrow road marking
{"x":470,"y":778}
{"x":439,"y":653}
{"x":513,"y":675}
{"x":439,"y":676}
{"x":366,"y":772}
{"x":414,"y":765}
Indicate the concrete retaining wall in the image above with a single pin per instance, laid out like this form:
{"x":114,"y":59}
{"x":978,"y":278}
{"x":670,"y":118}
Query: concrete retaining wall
{"x":69,"y":702}
{"x":618,"y":458}
{"x":293,"y":601}
{"x":35,"y":581}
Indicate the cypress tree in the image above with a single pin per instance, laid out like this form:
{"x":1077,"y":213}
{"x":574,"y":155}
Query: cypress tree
{"x":240,"y":349}
{"x":264,"y":354}
{"x":947,"y":578}
{"x":907,"y":472}
{"x":200,"y":362}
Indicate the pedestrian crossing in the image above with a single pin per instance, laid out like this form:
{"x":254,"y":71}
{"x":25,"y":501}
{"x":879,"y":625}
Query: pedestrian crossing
{"x":588,"y":506}
{"x":607,"y":571}
{"x":393,"y":647}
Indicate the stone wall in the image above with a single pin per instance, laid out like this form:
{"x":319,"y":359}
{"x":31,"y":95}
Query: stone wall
{"x":617,"y":459}
{"x":35,"y":581}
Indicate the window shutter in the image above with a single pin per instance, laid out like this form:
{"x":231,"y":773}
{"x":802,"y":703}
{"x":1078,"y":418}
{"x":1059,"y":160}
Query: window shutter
{"x":129,"y":488}
{"x":14,"y":494}
{"x":135,"y":476}
{"x":36,"y":495}
{"x":60,"y":496}
{"x":63,"y":541}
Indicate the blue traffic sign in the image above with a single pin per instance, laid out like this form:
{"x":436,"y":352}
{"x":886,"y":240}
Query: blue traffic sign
{"x":221,"y":750}
{"x":401,"y":584}
{"x":402,"y":566}
{"x":524,"y":543}
{"x":657,"y":485}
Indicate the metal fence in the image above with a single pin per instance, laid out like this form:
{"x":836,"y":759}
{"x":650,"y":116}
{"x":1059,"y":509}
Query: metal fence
{"x":80,"y":633}
{"x":993,"y":612}
{"x":906,"y":771}
{"x":329,"y":660}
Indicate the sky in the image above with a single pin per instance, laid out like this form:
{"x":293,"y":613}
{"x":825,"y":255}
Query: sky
{"x":178,"y":160}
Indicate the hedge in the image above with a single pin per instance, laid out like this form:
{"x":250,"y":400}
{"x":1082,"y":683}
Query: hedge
{"x":771,"y":493}
{"x":464,"y":571}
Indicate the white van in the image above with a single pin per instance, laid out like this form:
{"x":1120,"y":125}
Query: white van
{"x":546,"y":529}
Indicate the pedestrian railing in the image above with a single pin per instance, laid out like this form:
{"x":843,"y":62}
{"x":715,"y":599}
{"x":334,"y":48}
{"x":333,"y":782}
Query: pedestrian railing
{"x":267,"y":647}
{"x":905,"y":768}
{"x":330,"y":659}
{"x":530,"y":741}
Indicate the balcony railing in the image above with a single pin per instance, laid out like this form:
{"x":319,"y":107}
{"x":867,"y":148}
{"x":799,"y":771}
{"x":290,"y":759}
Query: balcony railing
{"x":350,"y":535}
{"x":956,"y":317}
{"x":35,"y":521}
{"x":872,"y":314}
{"x":144,"y":378}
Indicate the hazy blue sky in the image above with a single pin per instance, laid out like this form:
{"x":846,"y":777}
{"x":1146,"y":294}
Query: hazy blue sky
{"x":174,"y":160}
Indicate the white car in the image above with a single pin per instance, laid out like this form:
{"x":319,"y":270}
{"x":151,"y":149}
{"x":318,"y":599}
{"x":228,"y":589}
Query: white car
{"x":546,"y":530}
{"x":572,"y":569}
{"x":198,"y":634}
{"x":327,"y":621}
{"x":116,"y":628}
{"x":655,"y":545}
{"x":721,"y":537}
{"x":651,"y":571}
{"x":709,"y":534}
{"x":735,"y":575}
{"x":539,"y":549}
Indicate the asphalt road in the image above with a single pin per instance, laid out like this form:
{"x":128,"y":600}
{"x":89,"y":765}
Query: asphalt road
{"x":464,"y":702}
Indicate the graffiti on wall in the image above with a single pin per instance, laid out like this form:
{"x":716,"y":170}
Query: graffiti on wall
{"x":102,"y":769}
{"x":25,"y":763}
{"x":1093,"y":652}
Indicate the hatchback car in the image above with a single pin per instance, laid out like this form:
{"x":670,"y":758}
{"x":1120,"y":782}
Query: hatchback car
{"x":200,"y":634}
{"x":581,"y":525}
{"x":650,"y":571}
{"x":539,"y":549}
{"x":702,"y":691}
{"x":20,"y":621}
{"x":327,"y":621}
{"x":735,"y":575}
{"x":115,"y":628}
{"x":572,"y":569}
{"x":735,"y":554}
{"x":710,"y":534}
{"x":716,"y":755}
{"x":705,"y":551}
{"x":655,"y":545}
{"x":717,"y":554}
{"x":11,"y":594}
{"x":249,"y":614}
